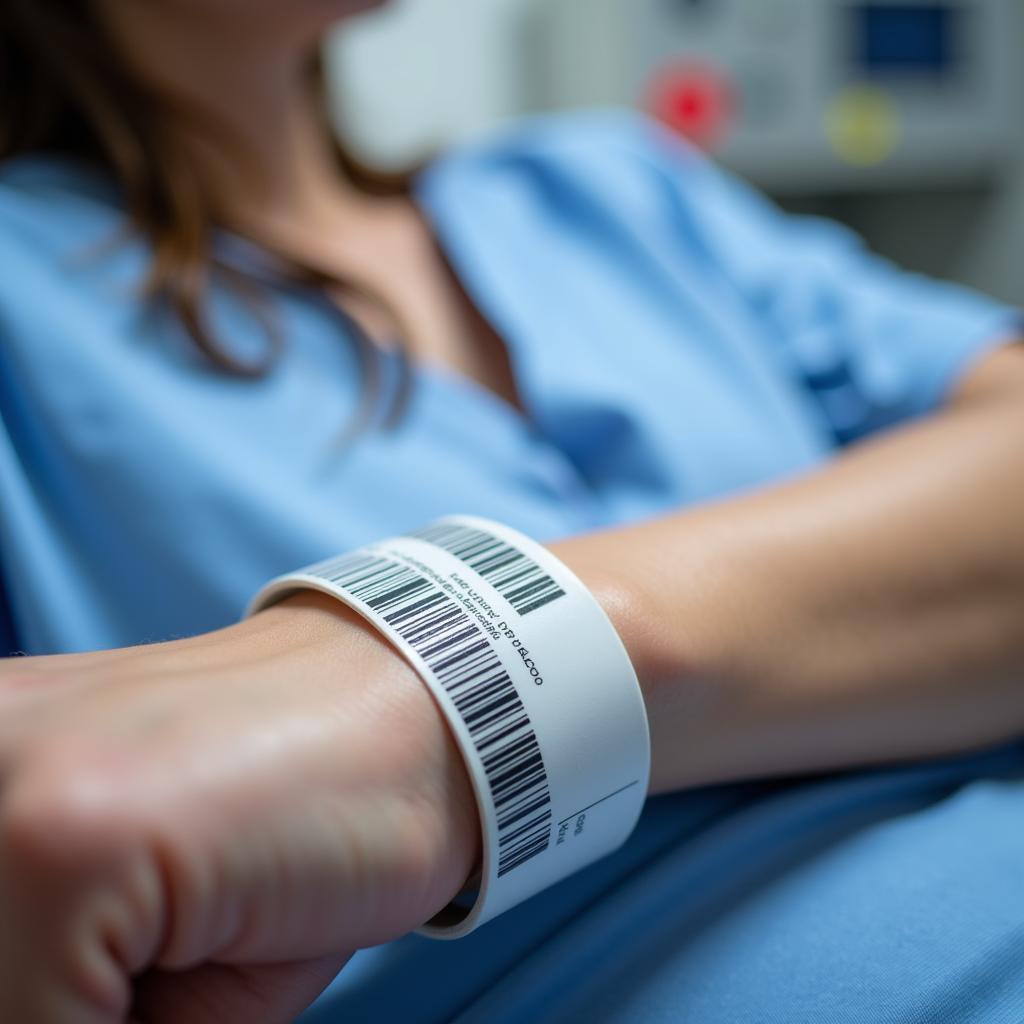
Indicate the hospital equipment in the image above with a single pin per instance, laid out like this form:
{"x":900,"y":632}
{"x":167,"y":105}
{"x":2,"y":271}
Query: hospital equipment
{"x":800,"y":95}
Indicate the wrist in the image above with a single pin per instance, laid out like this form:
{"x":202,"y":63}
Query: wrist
{"x":442,"y":596}
{"x":424,"y":759}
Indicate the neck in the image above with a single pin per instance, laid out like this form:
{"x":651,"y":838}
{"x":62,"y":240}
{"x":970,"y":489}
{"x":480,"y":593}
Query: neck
{"x":248,"y":119}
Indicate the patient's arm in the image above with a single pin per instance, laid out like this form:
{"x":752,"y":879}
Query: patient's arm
{"x":870,"y":611}
{"x":228,"y":815}
{"x":202,"y":831}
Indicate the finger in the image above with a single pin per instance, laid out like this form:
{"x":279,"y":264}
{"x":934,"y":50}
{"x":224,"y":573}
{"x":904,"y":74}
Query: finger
{"x":82,"y":898}
{"x":224,"y":994}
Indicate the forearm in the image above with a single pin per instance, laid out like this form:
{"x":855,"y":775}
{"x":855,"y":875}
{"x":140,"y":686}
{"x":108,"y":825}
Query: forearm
{"x":871,"y":611}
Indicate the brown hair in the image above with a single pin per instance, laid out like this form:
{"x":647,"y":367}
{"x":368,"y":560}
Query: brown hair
{"x":65,"y":90}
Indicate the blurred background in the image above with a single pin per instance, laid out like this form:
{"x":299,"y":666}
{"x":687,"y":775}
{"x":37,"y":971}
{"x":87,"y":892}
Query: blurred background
{"x":903,"y":119}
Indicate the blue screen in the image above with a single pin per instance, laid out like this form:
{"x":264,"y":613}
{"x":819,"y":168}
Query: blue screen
{"x":905,"y":38}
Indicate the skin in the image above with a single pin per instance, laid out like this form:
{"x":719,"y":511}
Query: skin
{"x":227,"y":830}
{"x":204,"y":830}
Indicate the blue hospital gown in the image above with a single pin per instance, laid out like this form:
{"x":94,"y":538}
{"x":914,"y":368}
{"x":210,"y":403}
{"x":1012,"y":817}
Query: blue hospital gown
{"x":675,"y":339}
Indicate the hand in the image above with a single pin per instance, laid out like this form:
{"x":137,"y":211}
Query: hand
{"x":205,"y":830}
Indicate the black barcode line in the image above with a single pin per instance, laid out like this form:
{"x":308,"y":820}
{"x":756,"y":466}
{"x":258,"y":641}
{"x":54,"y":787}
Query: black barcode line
{"x":518,"y":578}
{"x":457,"y":651}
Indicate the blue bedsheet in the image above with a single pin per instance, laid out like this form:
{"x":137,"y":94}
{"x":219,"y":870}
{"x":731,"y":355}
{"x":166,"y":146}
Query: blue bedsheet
{"x":886,"y":897}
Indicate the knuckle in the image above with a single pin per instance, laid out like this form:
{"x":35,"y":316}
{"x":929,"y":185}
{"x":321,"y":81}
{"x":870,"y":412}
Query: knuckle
{"x":60,"y":810}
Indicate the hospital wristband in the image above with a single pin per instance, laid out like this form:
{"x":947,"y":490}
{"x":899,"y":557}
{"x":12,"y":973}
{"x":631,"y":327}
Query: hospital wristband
{"x":536,"y":686}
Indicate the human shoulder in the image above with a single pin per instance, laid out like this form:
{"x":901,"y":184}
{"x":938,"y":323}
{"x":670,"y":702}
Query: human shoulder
{"x":615,"y":130}
{"x":54,"y":215}
{"x":563,"y":166}
{"x":65,"y":263}
{"x":597,"y":140}
{"x":49,"y":204}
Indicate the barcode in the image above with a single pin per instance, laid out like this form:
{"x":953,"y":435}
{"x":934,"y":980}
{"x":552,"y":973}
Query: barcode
{"x":519,"y":579}
{"x":459,"y":654}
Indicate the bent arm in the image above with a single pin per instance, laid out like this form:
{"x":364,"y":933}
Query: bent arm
{"x":868,"y":612}
{"x":871,"y":611}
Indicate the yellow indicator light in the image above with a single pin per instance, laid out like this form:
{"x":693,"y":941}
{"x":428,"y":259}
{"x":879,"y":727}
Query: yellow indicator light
{"x":863,"y":125}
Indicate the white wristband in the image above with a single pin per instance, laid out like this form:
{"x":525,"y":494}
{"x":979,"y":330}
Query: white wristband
{"x":536,"y":685}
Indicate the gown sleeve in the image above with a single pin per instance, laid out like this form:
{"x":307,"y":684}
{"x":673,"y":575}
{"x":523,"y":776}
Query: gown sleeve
{"x":874,"y":344}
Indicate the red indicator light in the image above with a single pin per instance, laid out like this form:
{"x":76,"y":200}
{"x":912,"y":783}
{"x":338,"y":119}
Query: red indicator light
{"x":694,"y":99}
